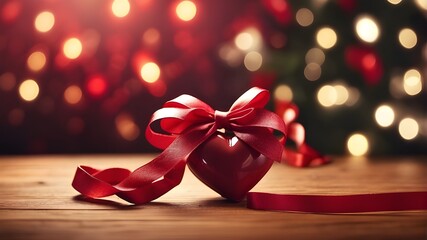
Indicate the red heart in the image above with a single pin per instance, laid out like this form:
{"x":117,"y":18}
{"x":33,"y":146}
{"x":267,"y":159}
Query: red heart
{"x":228,"y":166}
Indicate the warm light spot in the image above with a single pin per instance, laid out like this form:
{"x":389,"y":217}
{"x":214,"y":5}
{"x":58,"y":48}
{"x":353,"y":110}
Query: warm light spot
{"x":312,"y":71}
{"x":72,"y":48}
{"x":304,"y":17}
{"x":120,"y":8}
{"x":126,"y":127}
{"x":249,"y":39}
{"x":150,"y":72}
{"x":253,"y":61}
{"x":186,"y":10}
{"x":357,"y":144}
{"x":44,"y":21}
{"x":315,"y":55}
{"x":36,"y":61}
{"x":353,"y":96}
{"x":422,"y":4}
{"x":73,"y":94}
{"x":7,"y":81}
{"x":394,"y":2}
{"x":327,"y":96}
{"x":283,"y":93}
{"x":342,"y":94}
{"x":244,"y":41}
{"x":367,"y":29}
{"x":29,"y":90}
{"x":326,"y":37}
{"x":412,"y":83}
{"x":408,"y":128}
{"x":407,"y":38}
{"x":96,"y":86}
{"x":151,"y":36}
{"x":384,"y":115}
{"x":231,"y":55}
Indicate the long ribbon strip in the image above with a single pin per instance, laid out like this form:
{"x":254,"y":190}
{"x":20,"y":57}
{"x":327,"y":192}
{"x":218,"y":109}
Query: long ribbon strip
{"x":377,"y":202}
{"x":188,"y":122}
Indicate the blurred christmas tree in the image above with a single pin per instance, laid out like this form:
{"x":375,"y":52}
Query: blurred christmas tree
{"x":85,"y":76}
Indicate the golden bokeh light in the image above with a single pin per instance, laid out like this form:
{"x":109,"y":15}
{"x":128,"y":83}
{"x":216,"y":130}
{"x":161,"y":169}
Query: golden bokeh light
{"x":315,"y":55}
{"x":73,"y":94}
{"x":326,"y":37}
{"x":36,"y":61}
{"x":29,"y":90}
{"x":408,"y":128}
{"x":120,"y":8}
{"x":312,"y":71}
{"x":248,"y":39}
{"x":253,"y":61}
{"x":367,"y":29}
{"x":422,"y":4}
{"x":384,"y":115}
{"x":394,"y":2}
{"x":150,"y":72}
{"x":72,"y":48}
{"x":358,"y":144}
{"x":304,"y":17}
{"x":186,"y":10}
{"x":126,"y":127}
{"x":283,"y":93}
{"x":327,"y":96}
{"x":408,"y":38}
{"x":44,"y":21}
{"x":342,"y":94}
{"x":412,"y":83}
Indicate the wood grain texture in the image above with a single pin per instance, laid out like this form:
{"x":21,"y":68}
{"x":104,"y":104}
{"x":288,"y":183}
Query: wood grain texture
{"x":38,"y":202}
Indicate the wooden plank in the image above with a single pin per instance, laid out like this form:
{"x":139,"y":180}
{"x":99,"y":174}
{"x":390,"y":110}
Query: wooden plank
{"x":37,"y":202}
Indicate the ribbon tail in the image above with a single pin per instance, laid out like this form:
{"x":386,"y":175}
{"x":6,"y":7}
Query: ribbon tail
{"x":378,"y":202}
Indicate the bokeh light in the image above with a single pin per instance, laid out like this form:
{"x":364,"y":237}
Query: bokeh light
{"x":326,"y":37}
{"x":248,"y":39}
{"x":422,"y":4}
{"x":408,"y":38}
{"x":73,"y":94}
{"x":304,"y":17}
{"x":44,"y":21}
{"x":126,"y":127}
{"x":412,"y":83}
{"x":120,"y":8}
{"x":283,"y":93}
{"x":96,"y":86}
{"x":312,"y":71}
{"x":36,"y":61}
{"x":186,"y":10}
{"x":394,"y":2}
{"x":384,"y":115}
{"x":29,"y":90}
{"x":72,"y":48}
{"x":367,"y":29}
{"x":408,"y":128}
{"x":357,"y":144}
{"x":253,"y":61}
{"x":315,"y":55}
{"x":150,"y":72}
{"x":327,"y":96}
{"x":342,"y":94}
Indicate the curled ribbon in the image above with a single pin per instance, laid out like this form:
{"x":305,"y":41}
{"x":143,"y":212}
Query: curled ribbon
{"x":187,"y":122}
{"x":304,"y":155}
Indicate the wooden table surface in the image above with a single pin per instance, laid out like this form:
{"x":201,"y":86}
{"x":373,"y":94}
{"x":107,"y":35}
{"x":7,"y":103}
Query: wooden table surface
{"x":38,"y":202}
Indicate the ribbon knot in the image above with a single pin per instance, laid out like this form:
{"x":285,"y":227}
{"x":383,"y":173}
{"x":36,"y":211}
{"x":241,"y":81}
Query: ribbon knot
{"x":221,"y":119}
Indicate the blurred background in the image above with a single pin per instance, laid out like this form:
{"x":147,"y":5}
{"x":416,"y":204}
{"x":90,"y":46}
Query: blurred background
{"x":84,"y":76}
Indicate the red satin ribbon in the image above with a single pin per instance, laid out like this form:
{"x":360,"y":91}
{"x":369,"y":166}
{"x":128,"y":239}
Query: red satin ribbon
{"x":187,"y":122}
{"x":303,"y":155}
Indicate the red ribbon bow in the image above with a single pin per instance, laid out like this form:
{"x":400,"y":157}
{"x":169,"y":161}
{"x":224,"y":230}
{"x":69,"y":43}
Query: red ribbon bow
{"x":187,"y":123}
